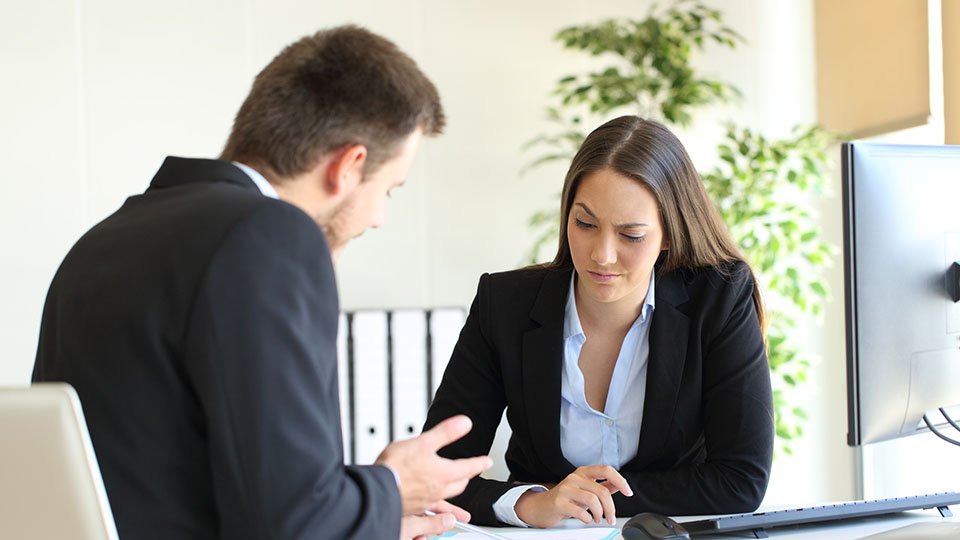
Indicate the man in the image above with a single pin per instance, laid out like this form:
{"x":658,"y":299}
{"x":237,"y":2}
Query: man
{"x":198,"y":323}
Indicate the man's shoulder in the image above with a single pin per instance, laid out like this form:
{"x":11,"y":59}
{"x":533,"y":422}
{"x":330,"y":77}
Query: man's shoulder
{"x":208,"y":198}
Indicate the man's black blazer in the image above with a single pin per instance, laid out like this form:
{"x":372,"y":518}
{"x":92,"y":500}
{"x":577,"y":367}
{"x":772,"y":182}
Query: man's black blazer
{"x":706,"y":441}
{"x":198,"y":325}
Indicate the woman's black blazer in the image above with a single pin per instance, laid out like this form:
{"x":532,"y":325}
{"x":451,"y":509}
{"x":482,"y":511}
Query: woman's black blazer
{"x":706,"y":442}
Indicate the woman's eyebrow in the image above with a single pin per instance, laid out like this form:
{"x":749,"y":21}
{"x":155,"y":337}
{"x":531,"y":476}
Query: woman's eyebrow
{"x":617,"y":225}
{"x":586,"y":209}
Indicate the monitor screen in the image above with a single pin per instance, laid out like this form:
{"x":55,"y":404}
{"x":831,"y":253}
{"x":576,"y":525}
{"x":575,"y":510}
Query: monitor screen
{"x":901,"y":237}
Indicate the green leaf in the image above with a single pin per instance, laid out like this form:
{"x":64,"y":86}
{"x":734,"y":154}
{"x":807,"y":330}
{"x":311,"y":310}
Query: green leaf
{"x":820,"y":288}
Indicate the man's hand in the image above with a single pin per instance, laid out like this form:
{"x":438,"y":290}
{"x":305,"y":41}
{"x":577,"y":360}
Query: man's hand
{"x":426,"y":478}
{"x":422,"y":527}
{"x":585,"y":494}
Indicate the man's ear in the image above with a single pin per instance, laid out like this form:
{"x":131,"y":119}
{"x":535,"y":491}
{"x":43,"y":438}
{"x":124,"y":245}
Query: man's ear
{"x":344,"y":172}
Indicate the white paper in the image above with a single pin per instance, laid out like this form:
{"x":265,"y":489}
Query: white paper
{"x":588,"y":533}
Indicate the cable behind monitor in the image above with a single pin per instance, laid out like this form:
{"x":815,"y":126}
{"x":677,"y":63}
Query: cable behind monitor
{"x":936,"y":431}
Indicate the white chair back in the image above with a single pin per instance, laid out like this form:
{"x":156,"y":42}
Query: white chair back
{"x":50,"y":484}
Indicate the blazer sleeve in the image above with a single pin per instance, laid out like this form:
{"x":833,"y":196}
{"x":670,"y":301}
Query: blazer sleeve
{"x":261,"y":357}
{"x":738,"y":424}
{"x":472,"y":385}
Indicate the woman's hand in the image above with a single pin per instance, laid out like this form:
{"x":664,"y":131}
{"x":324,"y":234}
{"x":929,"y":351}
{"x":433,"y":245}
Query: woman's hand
{"x":586,"y":494}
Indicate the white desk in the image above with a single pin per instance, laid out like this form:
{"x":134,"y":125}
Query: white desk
{"x":838,"y":530}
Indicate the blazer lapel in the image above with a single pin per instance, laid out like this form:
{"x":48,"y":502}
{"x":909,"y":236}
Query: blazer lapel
{"x":542,"y":365}
{"x":668,"y":349}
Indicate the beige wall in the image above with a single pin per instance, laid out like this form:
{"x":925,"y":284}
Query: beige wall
{"x":872,"y":65}
{"x":96,"y":92}
{"x":950,"y":11}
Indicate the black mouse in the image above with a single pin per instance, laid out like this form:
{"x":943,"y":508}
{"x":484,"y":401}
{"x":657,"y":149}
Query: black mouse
{"x":650,"y":526}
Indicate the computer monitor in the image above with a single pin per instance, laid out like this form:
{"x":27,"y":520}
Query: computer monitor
{"x":901,"y":207}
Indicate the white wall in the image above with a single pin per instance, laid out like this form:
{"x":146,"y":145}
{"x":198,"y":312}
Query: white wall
{"x":96,"y":92}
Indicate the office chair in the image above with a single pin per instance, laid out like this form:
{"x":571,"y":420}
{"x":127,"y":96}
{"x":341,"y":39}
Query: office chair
{"x":50,"y":484}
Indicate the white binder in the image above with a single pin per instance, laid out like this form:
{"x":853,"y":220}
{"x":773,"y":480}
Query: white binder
{"x":369,"y":338}
{"x":408,"y":331}
{"x":344,"y":385}
{"x":445,"y":325}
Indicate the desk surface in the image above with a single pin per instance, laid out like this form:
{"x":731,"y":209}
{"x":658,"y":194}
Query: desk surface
{"x":885,"y":526}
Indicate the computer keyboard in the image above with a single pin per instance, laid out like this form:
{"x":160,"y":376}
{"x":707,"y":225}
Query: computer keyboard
{"x":758,"y":522}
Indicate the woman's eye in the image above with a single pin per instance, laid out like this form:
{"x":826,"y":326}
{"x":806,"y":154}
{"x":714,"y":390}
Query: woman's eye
{"x":583,"y":224}
{"x":631,"y":238}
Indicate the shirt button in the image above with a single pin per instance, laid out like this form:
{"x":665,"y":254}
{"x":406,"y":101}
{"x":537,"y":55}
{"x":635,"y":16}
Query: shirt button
{"x":609,"y":422}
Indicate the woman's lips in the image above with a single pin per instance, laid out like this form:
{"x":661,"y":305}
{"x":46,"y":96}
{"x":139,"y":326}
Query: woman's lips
{"x":601,"y":277}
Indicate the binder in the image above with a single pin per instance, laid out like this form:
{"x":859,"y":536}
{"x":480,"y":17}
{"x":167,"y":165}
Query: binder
{"x":408,"y":347}
{"x":445,"y":325}
{"x":345,"y":388}
{"x":368,"y":343}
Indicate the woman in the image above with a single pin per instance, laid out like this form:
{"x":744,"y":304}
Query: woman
{"x":632,"y":367}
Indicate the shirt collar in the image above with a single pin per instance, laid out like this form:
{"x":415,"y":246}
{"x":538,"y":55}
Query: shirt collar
{"x":262,"y":184}
{"x":571,"y":319}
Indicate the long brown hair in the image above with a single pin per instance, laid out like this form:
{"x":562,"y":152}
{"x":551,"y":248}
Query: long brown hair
{"x":649,"y":153}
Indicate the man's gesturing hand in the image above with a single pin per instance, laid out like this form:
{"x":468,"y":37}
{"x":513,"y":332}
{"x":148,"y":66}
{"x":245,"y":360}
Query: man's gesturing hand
{"x":425,"y":477}
{"x":422,"y":527}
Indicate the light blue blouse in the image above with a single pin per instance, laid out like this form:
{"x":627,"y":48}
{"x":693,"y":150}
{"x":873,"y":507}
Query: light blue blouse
{"x":587,"y":436}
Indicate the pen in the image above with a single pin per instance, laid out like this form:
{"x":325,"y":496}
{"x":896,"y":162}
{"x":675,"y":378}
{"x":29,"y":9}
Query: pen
{"x":472,"y":528}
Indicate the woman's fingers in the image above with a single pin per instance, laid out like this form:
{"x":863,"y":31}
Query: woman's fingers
{"x":571,"y":509}
{"x":612,"y":479}
{"x":584,"y":490}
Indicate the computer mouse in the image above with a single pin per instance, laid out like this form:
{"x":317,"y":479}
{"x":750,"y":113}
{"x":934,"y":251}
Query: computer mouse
{"x":650,"y":526}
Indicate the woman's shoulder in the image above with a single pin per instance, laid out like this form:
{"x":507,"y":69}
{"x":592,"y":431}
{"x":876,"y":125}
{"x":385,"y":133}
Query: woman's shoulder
{"x":731,"y":278}
{"x":521,"y":279}
{"x":732,"y":272}
{"x":523,"y":285}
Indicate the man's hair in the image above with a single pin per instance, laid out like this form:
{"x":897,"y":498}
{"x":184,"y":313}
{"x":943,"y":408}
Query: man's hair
{"x":341,"y":86}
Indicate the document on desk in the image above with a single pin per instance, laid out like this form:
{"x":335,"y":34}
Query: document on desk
{"x":588,"y":533}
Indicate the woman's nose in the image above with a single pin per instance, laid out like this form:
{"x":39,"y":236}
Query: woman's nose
{"x":604,"y":251}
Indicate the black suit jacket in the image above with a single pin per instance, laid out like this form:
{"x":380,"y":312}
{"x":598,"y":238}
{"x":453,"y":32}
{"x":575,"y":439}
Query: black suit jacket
{"x":198,"y":325}
{"x":706,"y":442}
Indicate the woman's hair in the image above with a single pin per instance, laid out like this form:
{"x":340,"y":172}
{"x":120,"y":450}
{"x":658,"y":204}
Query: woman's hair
{"x":649,"y":153}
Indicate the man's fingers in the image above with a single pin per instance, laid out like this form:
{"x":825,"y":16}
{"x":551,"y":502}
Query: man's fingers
{"x":454,"y":488}
{"x":443,"y":507}
{"x":446,"y":432}
{"x":414,"y":526}
{"x":464,"y":468}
